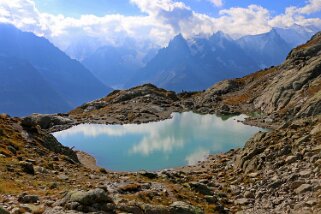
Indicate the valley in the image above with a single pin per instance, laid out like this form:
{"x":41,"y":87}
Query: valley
{"x":275,"y":172}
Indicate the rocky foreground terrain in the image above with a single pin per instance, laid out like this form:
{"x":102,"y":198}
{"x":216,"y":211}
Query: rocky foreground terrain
{"x":276,"y":172}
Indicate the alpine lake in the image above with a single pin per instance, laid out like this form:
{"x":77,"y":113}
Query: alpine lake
{"x":183,"y":140}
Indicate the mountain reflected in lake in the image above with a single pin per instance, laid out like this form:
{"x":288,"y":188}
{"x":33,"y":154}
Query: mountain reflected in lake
{"x":185,"y":139}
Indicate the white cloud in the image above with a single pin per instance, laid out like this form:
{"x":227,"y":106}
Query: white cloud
{"x":163,"y":19}
{"x":217,"y":3}
{"x":295,"y":15}
{"x":241,"y":21}
{"x":311,"y":7}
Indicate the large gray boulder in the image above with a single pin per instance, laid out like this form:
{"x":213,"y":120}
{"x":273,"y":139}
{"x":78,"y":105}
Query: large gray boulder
{"x":3,"y":211}
{"x":94,"y":200}
{"x":45,"y":121}
{"x":180,"y":207}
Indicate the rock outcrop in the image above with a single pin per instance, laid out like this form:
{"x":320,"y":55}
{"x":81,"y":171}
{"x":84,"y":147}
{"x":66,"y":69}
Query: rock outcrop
{"x":291,"y":90}
{"x":137,"y":105}
{"x":295,"y":89}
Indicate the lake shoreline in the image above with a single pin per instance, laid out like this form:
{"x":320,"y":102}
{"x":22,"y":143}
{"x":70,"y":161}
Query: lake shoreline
{"x":87,"y":160}
{"x":251,"y":121}
{"x":149,"y":150}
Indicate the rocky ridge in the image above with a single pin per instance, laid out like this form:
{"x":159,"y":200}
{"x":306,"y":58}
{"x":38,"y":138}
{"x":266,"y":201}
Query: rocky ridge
{"x":276,"y":172}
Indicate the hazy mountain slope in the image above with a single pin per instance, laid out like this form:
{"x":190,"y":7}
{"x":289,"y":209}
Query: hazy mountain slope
{"x":296,"y":35}
{"x":220,"y":57}
{"x":195,"y":65}
{"x":112,"y":65}
{"x":172,"y":68}
{"x":23,"y":90}
{"x":266,"y":49}
{"x":68,"y":77}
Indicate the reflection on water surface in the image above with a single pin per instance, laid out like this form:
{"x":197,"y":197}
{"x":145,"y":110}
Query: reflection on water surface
{"x":184,"y":139}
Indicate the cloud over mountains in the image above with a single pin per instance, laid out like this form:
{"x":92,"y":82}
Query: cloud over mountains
{"x":162,"y":20}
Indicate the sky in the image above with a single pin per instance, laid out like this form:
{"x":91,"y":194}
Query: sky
{"x":146,"y":23}
{"x":76,"y":8}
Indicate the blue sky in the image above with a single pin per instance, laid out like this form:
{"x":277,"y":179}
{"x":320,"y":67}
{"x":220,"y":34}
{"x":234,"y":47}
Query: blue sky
{"x":76,"y":8}
{"x":149,"y":23}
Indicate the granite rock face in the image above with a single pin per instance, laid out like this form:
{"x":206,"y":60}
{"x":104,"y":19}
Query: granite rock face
{"x":296,"y":86}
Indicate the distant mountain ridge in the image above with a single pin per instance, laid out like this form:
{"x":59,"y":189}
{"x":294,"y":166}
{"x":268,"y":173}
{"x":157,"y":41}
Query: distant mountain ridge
{"x":266,"y":49}
{"x":197,"y":63}
{"x":115,"y":66}
{"x":23,"y":90}
{"x":112,"y":65}
{"x":184,"y":65}
{"x":69,"y":79}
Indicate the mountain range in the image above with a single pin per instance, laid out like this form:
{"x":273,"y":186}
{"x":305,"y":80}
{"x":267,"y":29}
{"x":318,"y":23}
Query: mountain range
{"x":114,"y":66}
{"x":52,"y":82}
{"x":197,"y":63}
{"x":59,"y":82}
{"x":194,"y":64}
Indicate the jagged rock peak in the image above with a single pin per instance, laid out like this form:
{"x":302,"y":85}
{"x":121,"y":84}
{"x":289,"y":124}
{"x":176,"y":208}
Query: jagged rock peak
{"x":178,"y":41}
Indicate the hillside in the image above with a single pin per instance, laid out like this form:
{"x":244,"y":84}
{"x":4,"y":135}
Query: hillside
{"x":266,"y":49}
{"x":112,"y":65}
{"x":24,"y":90}
{"x":67,"y":77}
{"x":288,"y":91}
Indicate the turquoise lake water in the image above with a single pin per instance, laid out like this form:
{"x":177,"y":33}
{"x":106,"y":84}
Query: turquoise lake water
{"x":183,"y":140}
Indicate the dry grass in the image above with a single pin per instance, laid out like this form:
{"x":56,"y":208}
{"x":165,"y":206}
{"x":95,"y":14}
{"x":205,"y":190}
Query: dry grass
{"x":257,"y":75}
{"x":8,"y":187}
{"x":251,"y":82}
{"x":237,"y":99}
{"x":315,"y":88}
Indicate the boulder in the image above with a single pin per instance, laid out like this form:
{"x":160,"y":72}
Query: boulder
{"x":150,"y":175}
{"x":316,"y":130}
{"x":290,"y":159}
{"x":201,"y":188}
{"x":131,"y":187}
{"x":12,"y":149}
{"x":90,"y":197}
{"x":94,"y":200}
{"x":130,"y":208}
{"x":45,"y":121}
{"x":27,"y":167}
{"x":3,"y":211}
{"x":180,"y":207}
{"x":303,"y":188}
{"x":249,"y":194}
{"x":242,"y":201}
{"x":155,"y":209}
{"x":28,"y":199}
